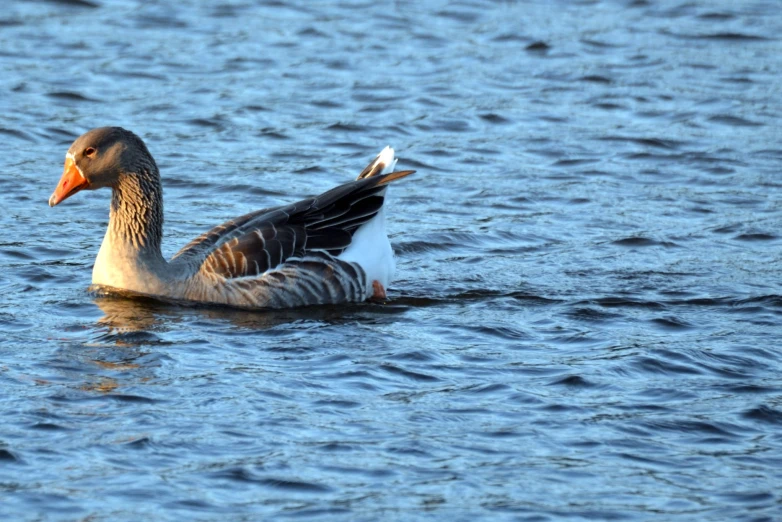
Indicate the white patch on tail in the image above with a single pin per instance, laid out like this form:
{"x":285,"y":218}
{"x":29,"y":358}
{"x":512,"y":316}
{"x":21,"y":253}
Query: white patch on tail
{"x":370,"y":247}
{"x":386,"y":157}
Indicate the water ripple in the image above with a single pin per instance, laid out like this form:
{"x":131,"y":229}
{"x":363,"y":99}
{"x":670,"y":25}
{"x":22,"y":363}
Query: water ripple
{"x":587,"y":298}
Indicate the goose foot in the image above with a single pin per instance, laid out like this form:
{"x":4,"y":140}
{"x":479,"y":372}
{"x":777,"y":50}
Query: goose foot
{"x":378,"y":292}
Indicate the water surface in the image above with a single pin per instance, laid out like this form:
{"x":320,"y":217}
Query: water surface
{"x":586,"y":318}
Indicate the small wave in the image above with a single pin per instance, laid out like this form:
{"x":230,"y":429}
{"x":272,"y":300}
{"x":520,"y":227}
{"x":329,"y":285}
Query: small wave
{"x":751,"y":497}
{"x":573,"y":381}
{"x":139,"y":399}
{"x":70,"y":96}
{"x":592,"y":314}
{"x":310,"y":31}
{"x":494,"y":118}
{"x":717,"y":16}
{"x":693,"y":427}
{"x":538,"y":47}
{"x":770,"y":300}
{"x":48,"y":426}
{"x":600,"y":44}
{"x":510,"y":37}
{"x":210,"y":123}
{"x":732,"y":37}
{"x":614,"y":302}
{"x":336,"y":404}
{"x":390,"y":368}
{"x":459,"y":16}
{"x":575,"y":162}
{"x":240,"y":474}
{"x":346,"y":127}
{"x":75,"y":3}
{"x":752,"y":389}
{"x":726,"y":36}
{"x":132,"y":338}
{"x":190,"y":504}
{"x":486,"y":389}
{"x":15,"y":133}
{"x":658,"y":143}
{"x":609,"y":106}
{"x":765,"y":414}
{"x":295,"y":485}
{"x":734,"y":121}
{"x":142,"y":75}
{"x":140,"y":443}
{"x":7,"y":456}
{"x":596,"y":78}
{"x":759,"y":236}
{"x":636,"y":241}
{"x":672,"y":323}
{"x":440,"y":242}
{"x":656,"y":365}
{"x":644,"y":460}
{"x":502,"y":332}
{"x":272,"y":134}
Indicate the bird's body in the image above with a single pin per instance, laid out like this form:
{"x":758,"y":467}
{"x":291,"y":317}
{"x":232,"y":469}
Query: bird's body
{"x":327,"y":249}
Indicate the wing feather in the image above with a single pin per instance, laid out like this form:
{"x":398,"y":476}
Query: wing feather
{"x":262,"y":240}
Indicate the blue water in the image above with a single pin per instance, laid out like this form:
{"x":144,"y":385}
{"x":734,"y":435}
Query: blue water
{"x":586,"y":319}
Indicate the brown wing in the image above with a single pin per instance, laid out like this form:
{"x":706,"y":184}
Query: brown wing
{"x":210,"y":238}
{"x":256,"y":251}
{"x":262,"y":240}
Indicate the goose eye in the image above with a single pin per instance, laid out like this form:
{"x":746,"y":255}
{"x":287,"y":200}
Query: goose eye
{"x":89,"y":152}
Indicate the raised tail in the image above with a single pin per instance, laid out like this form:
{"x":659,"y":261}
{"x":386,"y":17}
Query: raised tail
{"x":383,"y":163}
{"x":369,"y":246}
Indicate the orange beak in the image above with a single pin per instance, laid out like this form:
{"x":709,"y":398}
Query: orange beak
{"x":70,"y":183}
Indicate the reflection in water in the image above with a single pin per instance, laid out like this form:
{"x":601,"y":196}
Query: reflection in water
{"x":126,"y":315}
{"x":132,"y":334}
{"x":102,"y":385}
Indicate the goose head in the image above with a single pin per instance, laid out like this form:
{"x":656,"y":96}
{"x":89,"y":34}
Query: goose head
{"x":97,"y":159}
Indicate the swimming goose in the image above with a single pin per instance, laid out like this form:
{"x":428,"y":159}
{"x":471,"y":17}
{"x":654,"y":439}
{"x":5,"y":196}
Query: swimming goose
{"x":326,"y":249}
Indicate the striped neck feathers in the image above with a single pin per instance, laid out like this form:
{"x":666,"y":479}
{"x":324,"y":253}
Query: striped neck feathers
{"x":136,"y":216}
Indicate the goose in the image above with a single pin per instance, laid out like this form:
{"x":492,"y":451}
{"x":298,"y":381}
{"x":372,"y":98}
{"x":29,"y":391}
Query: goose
{"x":326,"y":249}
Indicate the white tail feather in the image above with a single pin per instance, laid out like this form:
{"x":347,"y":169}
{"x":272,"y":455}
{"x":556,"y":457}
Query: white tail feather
{"x":370,"y":247}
